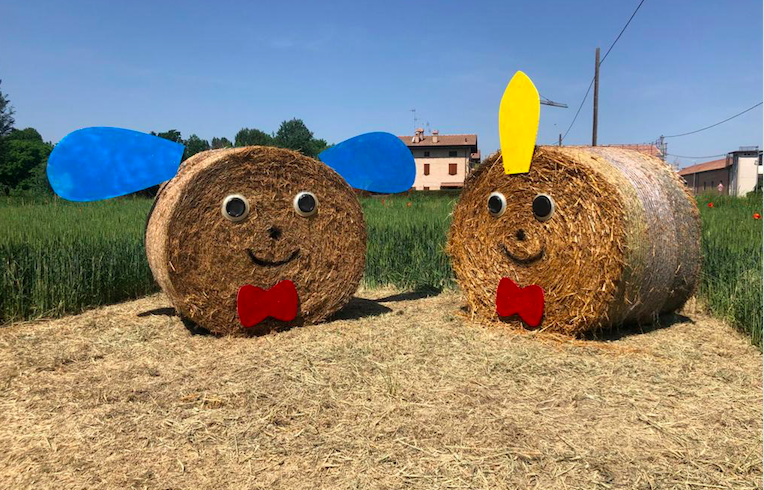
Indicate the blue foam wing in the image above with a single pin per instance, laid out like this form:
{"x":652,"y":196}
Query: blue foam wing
{"x":98,"y":163}
{"x":376,"y":162}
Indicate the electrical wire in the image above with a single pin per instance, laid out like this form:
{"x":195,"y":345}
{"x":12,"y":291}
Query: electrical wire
{"x":685,"y":156}
{"x":713,"y":125}
{"x":579,"y":110}
{"x":602,"y":61}
{"x":621,"y":33}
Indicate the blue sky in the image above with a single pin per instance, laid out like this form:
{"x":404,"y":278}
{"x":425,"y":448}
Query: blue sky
{"x":211,"y":68}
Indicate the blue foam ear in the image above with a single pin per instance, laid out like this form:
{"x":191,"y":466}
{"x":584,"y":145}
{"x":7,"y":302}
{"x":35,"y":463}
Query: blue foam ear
{"x":376,"y":162}
{"x":98,"y":163}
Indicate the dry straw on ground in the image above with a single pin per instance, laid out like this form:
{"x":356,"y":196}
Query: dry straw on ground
{"x":414,"y":397}
{"x":200,"y":259}
{"x":622,"y":246}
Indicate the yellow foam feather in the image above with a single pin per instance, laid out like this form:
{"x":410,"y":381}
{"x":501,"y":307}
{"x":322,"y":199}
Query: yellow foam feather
{"x":518,"y":123}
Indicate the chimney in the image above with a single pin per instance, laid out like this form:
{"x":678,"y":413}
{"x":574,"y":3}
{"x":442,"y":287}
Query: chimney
{"x":434,"y":135}
{"x":418,"y":134}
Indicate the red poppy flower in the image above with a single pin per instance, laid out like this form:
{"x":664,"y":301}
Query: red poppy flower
{"x":756,"y":216}
{"x":408,"y":204}
{"x":710,"y":205}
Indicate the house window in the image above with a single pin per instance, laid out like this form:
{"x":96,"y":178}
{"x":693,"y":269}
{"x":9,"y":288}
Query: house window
{"x":452,"y":153}
{"x":704,"y":185}
{"x":427,"y":169}
{"x":451,"y":169}
{"x":427,"y":153}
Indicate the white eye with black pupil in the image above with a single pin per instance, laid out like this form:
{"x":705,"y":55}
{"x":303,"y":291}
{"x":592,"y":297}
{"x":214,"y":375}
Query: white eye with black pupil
{"x":306,"y":204}
{"x":543,"y":207}
{"x":497,"y":204}
{"x":235,"y":207}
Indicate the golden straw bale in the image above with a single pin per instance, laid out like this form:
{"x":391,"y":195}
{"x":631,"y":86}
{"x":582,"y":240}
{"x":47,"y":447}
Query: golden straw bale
{"x":201,"y":259}
{"x":622,"y":246}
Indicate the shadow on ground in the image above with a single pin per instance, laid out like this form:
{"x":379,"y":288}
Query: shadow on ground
{"x":356,"y":309}
{"x":619,"y":333}
{"x":411,"y":295}
{"x":167,"y":311}
{"x":359,"y":308}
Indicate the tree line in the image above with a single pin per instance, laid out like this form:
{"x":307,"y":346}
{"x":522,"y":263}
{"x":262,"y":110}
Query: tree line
{"x":24,"y":154}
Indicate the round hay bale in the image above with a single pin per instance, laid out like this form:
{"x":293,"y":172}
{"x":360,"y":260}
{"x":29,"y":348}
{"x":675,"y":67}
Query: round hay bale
{"x":622,"y":244}
{"x":201,"y":257}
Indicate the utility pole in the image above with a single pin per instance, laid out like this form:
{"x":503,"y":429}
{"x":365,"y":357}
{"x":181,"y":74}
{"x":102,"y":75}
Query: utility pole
{"x":596,"y":95}
{"x":662,"y":148}
{"x":559,"y":142}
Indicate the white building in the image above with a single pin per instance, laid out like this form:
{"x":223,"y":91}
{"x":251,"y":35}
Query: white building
{"x":740,"y":172}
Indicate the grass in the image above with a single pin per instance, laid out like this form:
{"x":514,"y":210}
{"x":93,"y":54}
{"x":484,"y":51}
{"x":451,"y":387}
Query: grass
{"x":731,"y":285}
{"x":406,"y":241}
{"x":58,"y":257}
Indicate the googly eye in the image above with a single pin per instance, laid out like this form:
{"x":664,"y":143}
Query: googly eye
{"x":497,"y":204}
{"x":306,"y":204}
{"x":235,"y":207}
{"x":543,"y":207}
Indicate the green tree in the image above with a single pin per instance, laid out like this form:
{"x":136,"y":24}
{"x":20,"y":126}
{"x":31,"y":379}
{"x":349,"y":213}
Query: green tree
{"x":253,"y":137}
{"x":318,"y":145}
{"x":194,"y":145}
{"x":223,"y":142}
{"x":24,"y":162}
{"x":28,"y":134}
{"x":172,"y":135}
{"x":293,"y":134}
{"x":6,"y":114}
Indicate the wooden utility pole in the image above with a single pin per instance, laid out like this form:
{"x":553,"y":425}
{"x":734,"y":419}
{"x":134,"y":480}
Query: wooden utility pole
{"x":559,"y":142}
{"x":596,"y":95}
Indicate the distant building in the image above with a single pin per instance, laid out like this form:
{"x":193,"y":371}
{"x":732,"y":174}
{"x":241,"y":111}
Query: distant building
{"x":442,"y":161}
{"x":739,"y":172}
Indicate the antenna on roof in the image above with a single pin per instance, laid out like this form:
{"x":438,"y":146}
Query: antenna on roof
{"x":545,"y":101}
{"x":415,"y":118}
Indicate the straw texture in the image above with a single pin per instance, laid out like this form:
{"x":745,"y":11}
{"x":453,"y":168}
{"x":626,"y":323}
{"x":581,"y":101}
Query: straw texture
{"x":201,"y":259}
{"x":622,"y":246}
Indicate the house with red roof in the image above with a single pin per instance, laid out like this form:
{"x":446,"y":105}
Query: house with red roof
{"x":443,"y":161}
{"x":740,"y":172}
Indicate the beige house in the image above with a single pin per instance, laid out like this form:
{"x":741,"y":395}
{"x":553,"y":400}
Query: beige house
{"x":442,"y":161}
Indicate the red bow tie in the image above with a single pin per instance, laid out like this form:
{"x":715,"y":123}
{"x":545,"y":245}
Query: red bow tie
{"x":255,"y":304}
{"x":527,"y":302}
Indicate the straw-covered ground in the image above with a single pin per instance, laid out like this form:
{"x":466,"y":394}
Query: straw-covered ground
{"x":401,"y":392}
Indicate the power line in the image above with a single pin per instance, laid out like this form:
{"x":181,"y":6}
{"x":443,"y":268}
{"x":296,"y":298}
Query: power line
{"x":713,"y":125}
{"x":602,"y":61}
{"x":579,"y":108}
{"x":707,"y":156}
{"x":622,"y":30}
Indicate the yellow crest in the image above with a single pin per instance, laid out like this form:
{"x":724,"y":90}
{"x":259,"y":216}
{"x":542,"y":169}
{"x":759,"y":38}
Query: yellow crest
{"x":518,"y":123}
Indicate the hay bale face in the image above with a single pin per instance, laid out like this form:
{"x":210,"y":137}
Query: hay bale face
{"x":574,"y":226}
{"x":255,"y":216}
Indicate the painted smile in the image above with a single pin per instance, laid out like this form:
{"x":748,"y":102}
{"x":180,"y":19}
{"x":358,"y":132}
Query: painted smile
{"x":521,"y":260}
{"x":268,"y":263}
